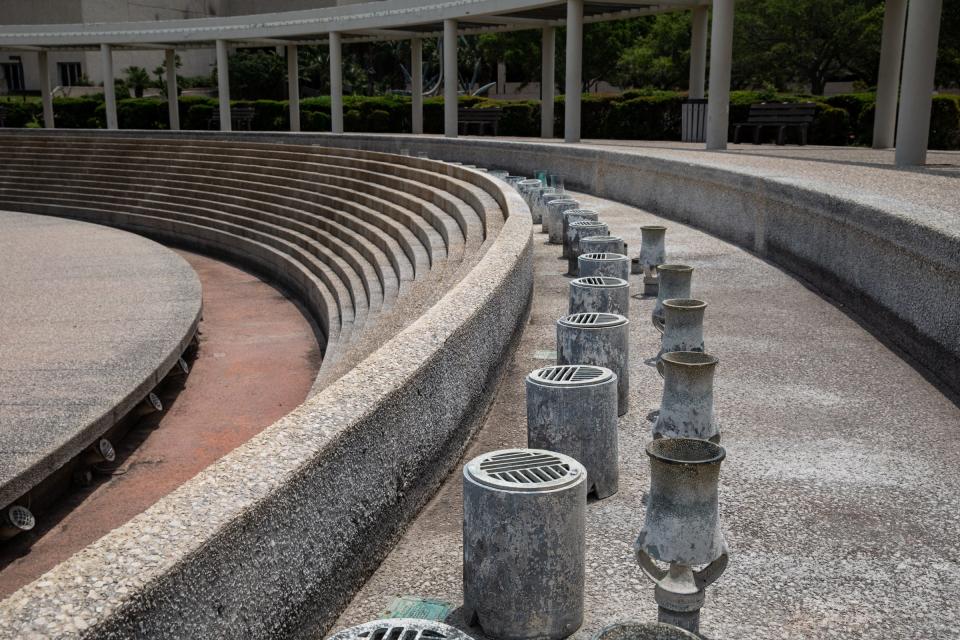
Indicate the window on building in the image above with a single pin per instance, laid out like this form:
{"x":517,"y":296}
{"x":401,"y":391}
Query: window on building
{"x":13,"y":75}
{"x":69,"y":73}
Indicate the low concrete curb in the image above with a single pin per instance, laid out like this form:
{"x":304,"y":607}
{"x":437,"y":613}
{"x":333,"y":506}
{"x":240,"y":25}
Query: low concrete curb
{"x":274,"y":538}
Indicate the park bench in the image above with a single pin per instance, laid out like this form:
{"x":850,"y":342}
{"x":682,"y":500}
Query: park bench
{"x":481,"y":118}
{"x":240,"y":119}
{"x":781,"y":115}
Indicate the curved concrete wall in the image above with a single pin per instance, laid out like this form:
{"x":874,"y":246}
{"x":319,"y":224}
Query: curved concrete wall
{"x":274,"y":538}
{"x":895,"y":266}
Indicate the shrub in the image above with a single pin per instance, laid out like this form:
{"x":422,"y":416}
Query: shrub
{"x":79,"y":113}
{"x":945,"y":122}
{"x":198,"y":116}
{"x":142,"y":113}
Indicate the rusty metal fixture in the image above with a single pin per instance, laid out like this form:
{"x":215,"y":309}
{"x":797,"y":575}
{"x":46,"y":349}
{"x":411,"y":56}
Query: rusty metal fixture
{"x":600,"y":294}
{"x":653,"y":253}
{"x":600,"y":339}
{"x":572,"y":409}
{"x":615,"y":265}
{"x":524,"y":530}
{"x":554,"y":217}
{"x":575,"y":231}
{"x":401,"y":629}
{"x":682,"y":527}
{"x":603,"y":244}
{"x":549,"y":196}
{"x":573,"y":215}
{"x":674,"y":282}
{"x":631,"y":630}
{"x":16,"y":519}
{"x":686,"y":409}
{"x":682,"y":327}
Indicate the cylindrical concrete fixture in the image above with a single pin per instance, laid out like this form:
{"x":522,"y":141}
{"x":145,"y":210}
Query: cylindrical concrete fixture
{"x":450,"y":78}
{"x":682,"y":527}
{"x":631,"y":630}
{"x":653,"y":253}
{"x":223,"y":85}
{"x":615,"y":265}
{"x":721,"y":60}
{"x":109,"y":91}
{"x":545,"y":200}
{"x":686,"y":409}
{"x":514,"y":181}
{"x":603,"y":244}
{"x":682,"y":326}
{"x":917,"y":84}
{"x":566,"y":219}
{"x":293,"y":86}
{"x":675,"y":282}
{"x":600,"y":294}
{"x":574,"y":71}
{"x":575,"y":231}
{"x":396,"y":628}
{"x":523,"y":543}
{"x":600,"y":339}
{"x":416,"y":85}
{"x":548,"y":47}
{"x":888,"y":77}
{"x":500,"y":174}
{"x":555,"y":211}
{"x":173,"y":99}
{"x":336,"y":82}
{"x":572,"y":409}
{"x":532,"y":198}
{"x":46,"y":96}
{"x":527,"y":189}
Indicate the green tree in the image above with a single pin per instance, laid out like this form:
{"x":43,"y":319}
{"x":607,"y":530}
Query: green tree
{"x":258,"y":74}
{"x":785,"y":42}
{"x":137,"y":79}
{"x":660,"y":58}
{"x":948,"y":60}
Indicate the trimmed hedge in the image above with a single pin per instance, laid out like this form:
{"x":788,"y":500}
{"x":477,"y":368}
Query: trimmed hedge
{"x":633,"y":115}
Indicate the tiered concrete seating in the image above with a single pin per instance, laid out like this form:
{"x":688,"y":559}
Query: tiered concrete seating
{"x":349,"y":232}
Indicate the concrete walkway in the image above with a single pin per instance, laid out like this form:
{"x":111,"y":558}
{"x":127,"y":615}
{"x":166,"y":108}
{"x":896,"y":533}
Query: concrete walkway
{"x":839,"y":494}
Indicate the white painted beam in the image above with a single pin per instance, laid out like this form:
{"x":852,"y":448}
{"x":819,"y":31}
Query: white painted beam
{"x":223,"y":85}
{"x":450,"y":79}
{"x":721,"y":59}
{"x":888,"y":78}
{"x":574,"y":68}
{"x":109,"y":92}
{"x":293,"y":86}
{"x":173,"y":100}
{"x":698,"y":52}
{"x":45,"y":96}
{"x":916,"y":92}
{"x":336,"y":83}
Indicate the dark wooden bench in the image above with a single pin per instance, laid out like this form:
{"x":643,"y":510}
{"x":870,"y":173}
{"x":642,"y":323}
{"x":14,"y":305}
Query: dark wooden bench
{"x":240,"y":119}
{"x":783,"y":116}
{"x":482,"y":118}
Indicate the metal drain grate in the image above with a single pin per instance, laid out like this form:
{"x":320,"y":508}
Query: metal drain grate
{"x":106,"y":450}
{"x":599,"y":281}
{"x":603,"y":256}
{"x":586,"y":223}
{"x":529,"y":470}
{"x":21,"y":518}
{"x":401,"y":629}
{"x":593,"y":320}
{"x":571,"y":375}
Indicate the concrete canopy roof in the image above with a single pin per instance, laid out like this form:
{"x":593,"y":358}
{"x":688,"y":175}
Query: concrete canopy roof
{"x":384,"y":20}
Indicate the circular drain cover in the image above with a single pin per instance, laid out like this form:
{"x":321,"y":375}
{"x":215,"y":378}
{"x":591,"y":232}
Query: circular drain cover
{"x":604,"y":256}
{"x":593,"y":320}
{"x":529,"y":470}
{"x":599,"y":281}
{"x":21,"y":518}
{"x":401,"y":629}
{"x":106,"y":450}
{"x":571,"y":375}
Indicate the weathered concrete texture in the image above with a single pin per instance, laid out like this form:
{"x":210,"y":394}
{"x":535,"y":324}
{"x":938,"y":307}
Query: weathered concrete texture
{"x":274,"y":538}
{"x":91,"y":320}
{"x":837,"y":496}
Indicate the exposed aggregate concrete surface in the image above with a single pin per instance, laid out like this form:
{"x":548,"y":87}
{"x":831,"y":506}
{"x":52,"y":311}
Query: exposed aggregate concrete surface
{"x":838,"y":496}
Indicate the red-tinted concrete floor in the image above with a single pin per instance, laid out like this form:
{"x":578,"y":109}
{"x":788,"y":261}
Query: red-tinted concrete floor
{"x":258,"y":357}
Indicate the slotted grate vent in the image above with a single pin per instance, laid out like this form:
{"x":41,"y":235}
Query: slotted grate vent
{"x":525,"y":467}
{"x":21,"y":518}
{"x":600,"y":281}
{"x":571,"y":375}
{"x":106,"y":450}
{"x":593,"y":320}
{"x":604,"y":256}
{"x":401,"y":629}
{"x":586,"y":223}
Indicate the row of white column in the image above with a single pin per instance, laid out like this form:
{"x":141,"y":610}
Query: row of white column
{"x":911,"y":126}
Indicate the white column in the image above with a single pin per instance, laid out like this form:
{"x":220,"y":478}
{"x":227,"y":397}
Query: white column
{"x":888,"y":79}
{"x":916,"y":92}
{"x":109,"y":93}
{"x":548,"y":82}
{"x":450,"y":79}
{"x":293,"y":87}
{"x":223,"y":85}
{"x":571,"y":107}
{"x":698,"y":52}
{"x":45,"y":96}
{"x":336,"y":82}
{"x":721,"y":58}
{"x":416,"y":85}
{"x":173,"y":102}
